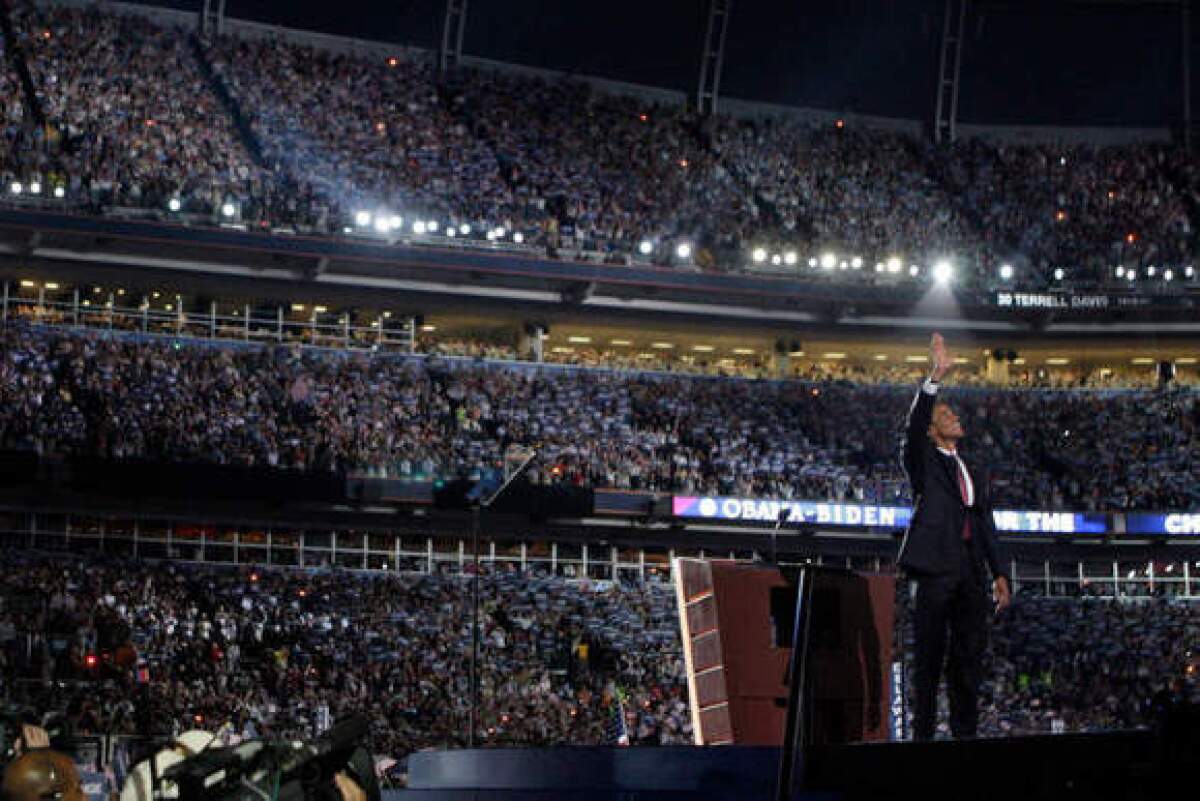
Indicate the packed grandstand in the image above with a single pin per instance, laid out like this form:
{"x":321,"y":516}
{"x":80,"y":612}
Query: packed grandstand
{"x":271,"y":135}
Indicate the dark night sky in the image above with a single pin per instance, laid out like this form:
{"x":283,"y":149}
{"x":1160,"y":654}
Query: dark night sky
{"x":1031,"y":61}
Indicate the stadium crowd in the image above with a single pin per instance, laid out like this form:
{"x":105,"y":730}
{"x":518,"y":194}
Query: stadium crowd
{"x":123,"y":647}
{"x":157,"y":649}
{"x":125,"y":397}
{"x":271,"y":133}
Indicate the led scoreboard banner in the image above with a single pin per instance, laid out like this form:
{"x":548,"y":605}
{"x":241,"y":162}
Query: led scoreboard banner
{"x":857,"y":514}
{"x":1177,"y":524}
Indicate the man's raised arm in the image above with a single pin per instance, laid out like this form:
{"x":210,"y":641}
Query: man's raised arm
{"x":920,"y":413}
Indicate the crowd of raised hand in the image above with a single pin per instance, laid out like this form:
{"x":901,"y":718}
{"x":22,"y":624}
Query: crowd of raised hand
{"x":427,"y":416}
{"x":327,"y":135}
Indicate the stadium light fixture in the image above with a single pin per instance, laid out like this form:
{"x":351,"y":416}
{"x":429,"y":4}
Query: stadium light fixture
{"x":382,"y":224}
{"x":518,"y":237}
{"x":777,"y":260}
{"x":464,"y":229}
{"x":1150,"y":271}
{"x":914,"y":270}
{"x":1006,"y":272}
{"x":645,"y":247}
{"x":844,"y":265}
{"x":759,"y":255}
{"x":16,"y":188}
{"x":812,"y":262}
{"x":894,"y":264}
{"x":1169,"y":275}
{"x":362,"y":218}
{"x":1120,"y":271}
{"x":60,"y":191}
{"x":683,"y":250}
{"x":662,"y":345}
{"x":620,"y":342}
{"x":432,"y":226}
{"x":1189,"y":271}
{"x":418,"y":226}
{"x":880,"y":357}
{"x":834,"y":355}
{"x":1131,"y":275}
{"x":943,"y":271}
{"x":501,"y":232}
{"x":879,"y":267}
{"x":744,"y":351}
{"x":395,"y":221}
{"x":228,"y":209}
{"x":703,"y":348}
{"x":1059,"y":273}
{"x":35,"y":188}
{"x":790,"y":258}
{"x":173,"y":204}
{"x":828,"y":261}
{"x":451,"y":231}
{"x":856,"y":262}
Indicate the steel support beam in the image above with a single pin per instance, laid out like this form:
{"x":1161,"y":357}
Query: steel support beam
{"x":712,"y":58}
{"x":945,"y":120}
{"x":1185,"y":59}
{"x":212,"y":19}
{"x":450,"y":53}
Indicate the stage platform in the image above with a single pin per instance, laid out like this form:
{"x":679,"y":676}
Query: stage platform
{"x":1121,"y":765}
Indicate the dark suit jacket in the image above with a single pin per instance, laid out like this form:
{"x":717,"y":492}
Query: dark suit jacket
{"x":932,"y":544}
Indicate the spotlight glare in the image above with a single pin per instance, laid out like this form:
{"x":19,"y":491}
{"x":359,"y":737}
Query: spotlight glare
{"x":382,"y":224}
{"x":1120,"y":271}
{"x":432,"y":226}
{"x":914,"y":270}
{"x":812,"y":262}
{"x":60,"y":191}
{"x":1006,"y":271}
{"x":228,"y":209}
{"x":395,"y":221}
{"x":35,"y":188}
{"x":1059,"y":273}
{"x":173,"y":204}
{"x":1169,"y":275}
{"x":16,"y":187}
{"x":894,"y":264}
{"x":464,"y":229}
{"x":683,"y":250}
{"x":1150,"y":271}
{"x":518,"y":237}
{"x":362,"y":218}
{"x":451,"y":232}
{"x":645,"y":247}
{"x":418,"y":227}
{"x":943,"y":271}
{"x":828,"y":261}
{"x":856,"y":262}
{"x":759,"y":255}
{"x":789,"y":258}
{"x":879,"y":267}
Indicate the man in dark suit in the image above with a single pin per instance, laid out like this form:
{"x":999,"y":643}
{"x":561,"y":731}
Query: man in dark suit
{"x":948,"y":543}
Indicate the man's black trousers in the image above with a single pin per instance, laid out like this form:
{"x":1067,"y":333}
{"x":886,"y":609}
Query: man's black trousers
{"x":950,"y":619}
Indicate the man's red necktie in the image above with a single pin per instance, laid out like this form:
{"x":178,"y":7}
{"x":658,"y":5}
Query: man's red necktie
{"x":962,"y":488}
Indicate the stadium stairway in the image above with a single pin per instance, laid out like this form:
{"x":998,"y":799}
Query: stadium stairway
{"x":234,"y":109}
{"x":16,"y":56}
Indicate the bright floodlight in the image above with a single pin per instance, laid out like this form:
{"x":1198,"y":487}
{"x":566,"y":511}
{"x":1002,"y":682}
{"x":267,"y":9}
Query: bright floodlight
{"x":16,"y":188}
{"x":1131,"y":274}
{"x":759,"y":255}
{"x":645,"y":247}
{"x":382,"y":224}
{"x":431,"y":226}
{"x":913,"y":270}
{"x":464,"y":229}
{"x":228,"y":210}
{"x":812,"y":262}
{"x":450,"y":232}
{"x":419,"y":227}
{"x":518,"y":237}
{"x":173,"y":204}
{"x":683,"y":250}
{"x":1059,"y":273}
{"x":500,"y":232}
{"x":35,"y":188}
{"x":362,"y":218}
{"x":60,"y":191}
{"x":894,"y":264}
{"x":856,"y":262}
{"x":1120,"y":271}
{"x":1006,"y":271}
{"x":1150,"y":271}
{"x":828,"y":261}
{"x":789,"y":258}
{"x":1169,"y":275}
{"x":777,"y":260}
{"x":395,"y":221}
{"x":943,"y":271}
{"x":1189,"y":271}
